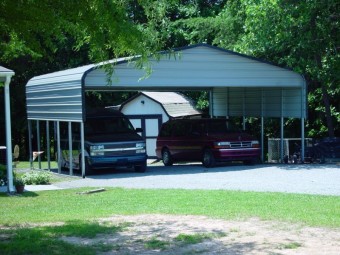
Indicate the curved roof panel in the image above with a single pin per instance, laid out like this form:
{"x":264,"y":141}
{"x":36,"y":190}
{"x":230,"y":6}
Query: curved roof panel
{"x":60,"y":95}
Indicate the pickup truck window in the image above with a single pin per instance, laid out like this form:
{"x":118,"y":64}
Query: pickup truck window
{"x":108,"y":125}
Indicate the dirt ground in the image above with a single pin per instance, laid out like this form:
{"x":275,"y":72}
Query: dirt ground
{"x":160,"y":234}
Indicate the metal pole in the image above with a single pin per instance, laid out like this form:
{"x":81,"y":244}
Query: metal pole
{"x":211,"y":103}
{"x":58,"y":147}
{"x":282,"y":123}
{"x":302,"y":139}
{"x":30,"y":143}
{"x":262,"y":139}
{"x":10,"y":187}
{"x":38,"y":143}
{"x":82,"y":149}
{"x":244,"y":110}
{"x":48,"y":145}
{"x":70,"y":157}
{"x":262,"y":125}
{"x":281,"y":143}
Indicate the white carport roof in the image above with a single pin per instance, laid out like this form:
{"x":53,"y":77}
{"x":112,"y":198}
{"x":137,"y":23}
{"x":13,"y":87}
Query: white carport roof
{"x":240,"y":85}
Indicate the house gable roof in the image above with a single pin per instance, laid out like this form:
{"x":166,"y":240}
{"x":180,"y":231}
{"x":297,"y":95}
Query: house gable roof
{"x":174,"y":104}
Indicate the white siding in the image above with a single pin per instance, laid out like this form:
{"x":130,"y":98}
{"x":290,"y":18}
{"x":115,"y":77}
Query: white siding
{"x":135,"y":107}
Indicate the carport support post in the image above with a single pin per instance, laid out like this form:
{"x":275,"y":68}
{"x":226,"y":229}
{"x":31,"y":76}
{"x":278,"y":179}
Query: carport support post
{"x":38,"y":142}
{"x":30,"y":143}
{"x":70,"y":158}
{"x":302,"y":139}
{"x":82,"y":149}
{"x":281,"y":142}
{"x":59,"y":150}
{"x":48,"y":145}
{"x":262,"y":139}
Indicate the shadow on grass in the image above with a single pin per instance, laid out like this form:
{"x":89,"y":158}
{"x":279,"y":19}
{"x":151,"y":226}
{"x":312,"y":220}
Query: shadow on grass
{"x":48,"y":239}
{"x":86,"y":238}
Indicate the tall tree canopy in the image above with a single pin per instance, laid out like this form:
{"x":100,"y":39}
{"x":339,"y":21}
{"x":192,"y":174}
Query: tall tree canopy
{"x":106,"y":28}
{"x":302,"y":35}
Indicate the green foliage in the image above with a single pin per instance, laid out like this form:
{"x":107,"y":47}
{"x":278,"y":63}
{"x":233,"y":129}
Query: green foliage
{"x":292,"y":245}
{"x":196,"y":238}
{"x":301,"y":35}
{"x":3,"y":175}
{"x":106,"y":28}
{"x":155,"y":243}
{"x":18,"y":181}
{"x":37,"y":177}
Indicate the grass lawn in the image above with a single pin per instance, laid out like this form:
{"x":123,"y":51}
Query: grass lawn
{"x":69,"y":205}
{"x":80,"y":214}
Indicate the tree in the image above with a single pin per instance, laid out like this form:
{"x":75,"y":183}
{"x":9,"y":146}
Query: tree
{"x":304,"y":36}
{"x":107,"y":28}
{"x":42,"y":36}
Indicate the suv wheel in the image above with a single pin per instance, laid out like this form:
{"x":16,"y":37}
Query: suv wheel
{"x":208,"y":158}
{"x":166,"y":157}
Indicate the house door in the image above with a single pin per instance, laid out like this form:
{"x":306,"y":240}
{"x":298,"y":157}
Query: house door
{"x":150,"y":125}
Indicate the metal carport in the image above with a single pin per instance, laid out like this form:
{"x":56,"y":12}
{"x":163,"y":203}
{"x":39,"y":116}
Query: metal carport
{"x":239,"y":85}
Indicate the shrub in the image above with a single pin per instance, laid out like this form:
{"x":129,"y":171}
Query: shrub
{"x":18,"y":181}
{"x":3,"y":175}
{"x":37,"y":177}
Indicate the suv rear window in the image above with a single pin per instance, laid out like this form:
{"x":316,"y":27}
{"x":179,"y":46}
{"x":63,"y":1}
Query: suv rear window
{"x":221,"y":127}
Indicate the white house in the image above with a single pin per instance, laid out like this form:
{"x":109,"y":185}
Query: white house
{"x":149,"y":110}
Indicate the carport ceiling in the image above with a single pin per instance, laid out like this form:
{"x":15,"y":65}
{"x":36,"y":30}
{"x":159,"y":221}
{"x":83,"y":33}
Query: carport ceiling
{"x":240,"y":85}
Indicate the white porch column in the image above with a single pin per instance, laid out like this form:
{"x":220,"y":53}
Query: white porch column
{"x":10,"y":187}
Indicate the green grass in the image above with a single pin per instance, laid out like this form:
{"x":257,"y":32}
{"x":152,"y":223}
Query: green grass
{"x":290,"y":246}
{"x":46,"y":239}
{"x":155,"y":244}
{"x":26,"y":164}
{"x":67,"y":205}
{"x":197,"y":238}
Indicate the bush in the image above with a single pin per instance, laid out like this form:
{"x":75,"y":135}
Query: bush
{"x":18,"y":181}
{"x":3,"y":175}
{"x":37,"y":177}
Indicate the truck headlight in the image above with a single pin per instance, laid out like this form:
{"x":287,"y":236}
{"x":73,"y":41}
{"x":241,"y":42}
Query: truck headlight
{"x":222,"y":145}
{"x":140,"y":148}
{"x":97,"y":150}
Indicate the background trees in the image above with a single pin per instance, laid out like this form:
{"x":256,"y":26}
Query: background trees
{"x":302,"y":35}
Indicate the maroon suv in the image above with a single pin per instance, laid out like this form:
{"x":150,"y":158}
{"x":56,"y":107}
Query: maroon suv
{"x":206,"y":140}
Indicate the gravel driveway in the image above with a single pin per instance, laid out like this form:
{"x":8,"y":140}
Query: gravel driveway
{"x":320,"y":179}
